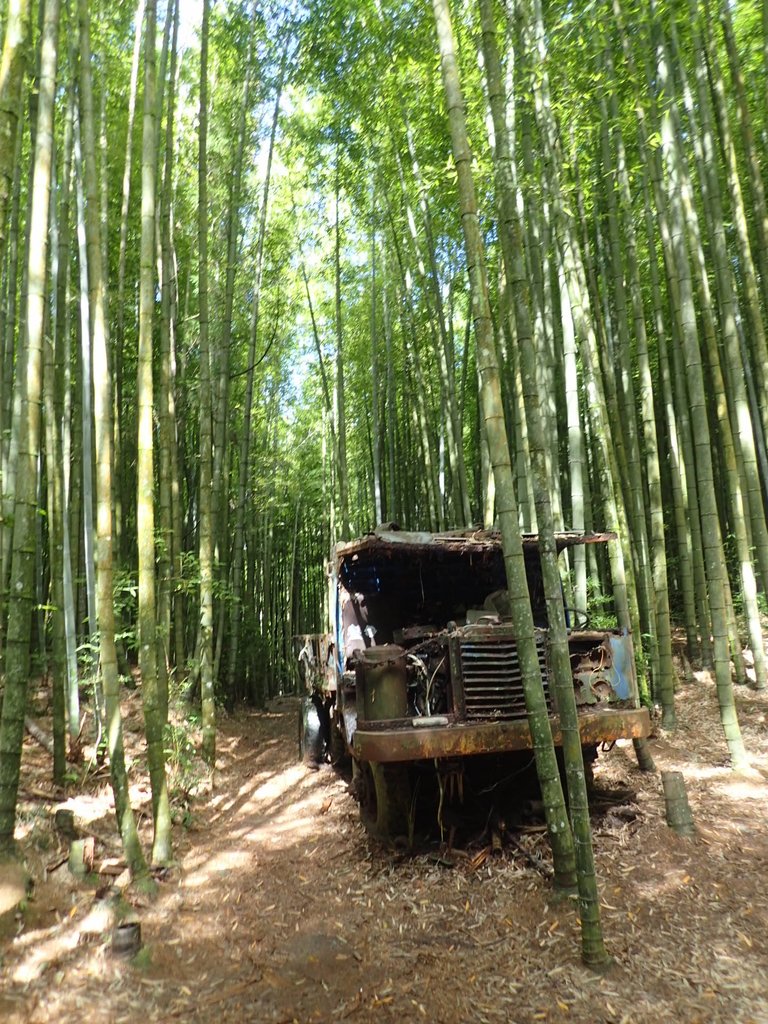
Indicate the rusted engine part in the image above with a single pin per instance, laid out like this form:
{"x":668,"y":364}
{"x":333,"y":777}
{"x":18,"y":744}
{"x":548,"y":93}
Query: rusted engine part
{"x":428,"y":681}
{"x":399,"y":801}
{"x":486,"y":674}
{"x":450,"y":783}
{"x":392,"y":684}
{"x":382,"y":682}
{"x":457,"y":802}
{"x":602,"y":668}
{"x":473,"y":673}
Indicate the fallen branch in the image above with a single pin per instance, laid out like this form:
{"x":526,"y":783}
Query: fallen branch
{"x":218,"y":997}
{"x":33,"y":793}
{"x":39,"y":735}
{"x":541,"y":866}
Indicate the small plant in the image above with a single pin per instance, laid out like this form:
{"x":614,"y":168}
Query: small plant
{"x":600,"y":608}
{"x":185,"y":770}
{"x":125,"y":596}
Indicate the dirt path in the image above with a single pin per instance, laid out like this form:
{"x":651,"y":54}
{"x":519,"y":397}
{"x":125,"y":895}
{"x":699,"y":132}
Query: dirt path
{"x":282,"y":910}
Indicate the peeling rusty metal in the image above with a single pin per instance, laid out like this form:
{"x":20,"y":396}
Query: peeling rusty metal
{"x":603,"y":667}
{"x":464,"y":739}
{"x":384,"y":541}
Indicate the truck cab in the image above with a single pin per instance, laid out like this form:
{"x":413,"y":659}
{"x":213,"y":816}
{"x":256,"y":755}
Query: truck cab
{"x":420,"y":672}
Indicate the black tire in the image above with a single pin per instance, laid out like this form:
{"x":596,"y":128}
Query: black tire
{"x":385,"y":801}
{"x":311,"y":738}
{"x":589,"y":753}
{"x":337,"y":743}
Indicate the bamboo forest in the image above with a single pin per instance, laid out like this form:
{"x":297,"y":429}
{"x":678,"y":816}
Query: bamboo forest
{"x":394,"y":374}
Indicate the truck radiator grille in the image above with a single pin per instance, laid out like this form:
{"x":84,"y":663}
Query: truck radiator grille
{"x":493,"y":684}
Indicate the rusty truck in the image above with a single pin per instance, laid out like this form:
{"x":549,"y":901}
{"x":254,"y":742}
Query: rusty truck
{"x":417,"y":679}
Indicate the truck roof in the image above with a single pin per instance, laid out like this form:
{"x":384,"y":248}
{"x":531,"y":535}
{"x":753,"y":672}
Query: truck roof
{"x":389,"y":538}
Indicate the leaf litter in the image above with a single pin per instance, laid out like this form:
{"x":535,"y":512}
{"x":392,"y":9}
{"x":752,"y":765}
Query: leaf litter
{"x":280,"y":908}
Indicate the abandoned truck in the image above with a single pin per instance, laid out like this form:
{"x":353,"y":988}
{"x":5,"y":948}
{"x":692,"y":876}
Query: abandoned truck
{"x":418,"y":677}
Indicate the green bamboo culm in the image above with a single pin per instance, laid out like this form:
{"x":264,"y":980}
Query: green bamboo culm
{"x":492,"y":412}
{"x":102,"y":407}
{"x":592,"y":945}
{"x":152,"y":698}
{"x":30,"y":378}
{"x":714,"y":556}
{"x":206,"y":439}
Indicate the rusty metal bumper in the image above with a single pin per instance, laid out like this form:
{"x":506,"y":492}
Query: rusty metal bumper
{"x":461,"y":739}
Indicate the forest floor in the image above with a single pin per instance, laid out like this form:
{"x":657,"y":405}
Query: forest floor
{"x":281,"y":909}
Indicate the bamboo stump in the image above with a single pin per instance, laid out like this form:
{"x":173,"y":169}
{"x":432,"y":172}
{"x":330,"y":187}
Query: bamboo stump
{"x":81,"y":852}
{"x":644,"y":757}
{"x":679,"y":817}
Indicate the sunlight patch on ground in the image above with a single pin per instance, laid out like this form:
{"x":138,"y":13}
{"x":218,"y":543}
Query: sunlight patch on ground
{"x":743,"y":789}
{"x":270,"y":786}
{"x":294,"y":818}
{"x":13,"y":886}
{"x":62,"y":940}
{"x":666,"y":885}
{"x":226,"y":861}
{"x":283,"y":832}
{"x":291,"y":822}
{"x":90,"y":808}
{"x":279,"y":784}
{"x":276,"y":834}
{"x":747,"y":784}
{"x":700,"y":773}
{"x":32,"y":966}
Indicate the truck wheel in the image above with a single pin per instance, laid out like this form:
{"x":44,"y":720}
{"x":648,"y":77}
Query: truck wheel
{"x":385,"y":800}
{"x":337,"y":743}
{"x":311,"y":740}
{"x":589,"y":753}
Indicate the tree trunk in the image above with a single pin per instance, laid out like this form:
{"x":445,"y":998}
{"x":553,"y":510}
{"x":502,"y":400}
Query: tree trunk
{"x":154,"y":700}
{"x":85,"y":254}
{"x":710,"y":521}
{"x":120,"y":483}
{"x":22,"y":593}
{"x":593,"y":950}
{"x":245,"y":429}
{"x":104,"y":460}
{"x":749,"y":150}
{"x":12,"y":66}
{"x":625,"y":599}
{"x":748,"y":273}
{"x":493,"y":414}
{"x":378,"y":515}
{"x":54,"y":501}
{"x":222,"y":357}
{"x":169,"y":561}
{"x":664,"y":668}
{"x":206,"y":437}
{"x":340,"y":411}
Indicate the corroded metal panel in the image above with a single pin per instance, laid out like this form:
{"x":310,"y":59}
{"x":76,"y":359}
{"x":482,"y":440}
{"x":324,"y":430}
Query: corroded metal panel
{"x":492,"y":675}
{"x":457,"y":683}
{"x":383,"y":539}
{"x":462,"y":740}
{"x":603,"y":666}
